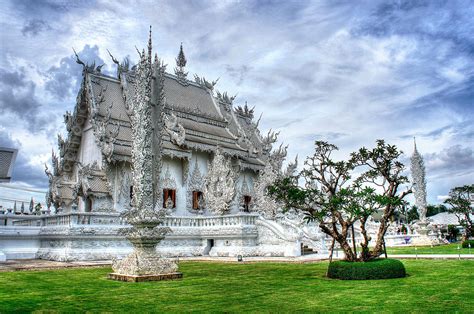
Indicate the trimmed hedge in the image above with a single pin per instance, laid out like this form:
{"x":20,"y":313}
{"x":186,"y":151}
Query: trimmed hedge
{"x":465,"y":244}
{"x":377,"y":269}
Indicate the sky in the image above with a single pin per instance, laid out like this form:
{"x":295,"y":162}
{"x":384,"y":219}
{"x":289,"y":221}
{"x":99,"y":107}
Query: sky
{"x":347,"y":72}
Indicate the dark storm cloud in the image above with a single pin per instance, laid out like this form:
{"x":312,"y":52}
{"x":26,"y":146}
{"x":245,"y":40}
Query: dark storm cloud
{"x":17,"y":96}
{"x":23,"y":171}
{"x":34,"y":27}
{"x":455,"y":159}
{"x":50,"y":9}
{"x":428,"y":20}
{"x":64,"y":80}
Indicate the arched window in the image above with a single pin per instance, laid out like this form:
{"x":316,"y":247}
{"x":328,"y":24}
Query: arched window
{"x":169,"y":198}
{"x":197,"y":199}
{"x":247,"y":199}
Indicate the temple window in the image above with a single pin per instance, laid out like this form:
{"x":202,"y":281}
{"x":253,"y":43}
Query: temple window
{"x":197,"y":199}
{"x":88,"y":205}
{"x":131,"y":192}
{"x":247,"y":199}
{"x":169,"y":198}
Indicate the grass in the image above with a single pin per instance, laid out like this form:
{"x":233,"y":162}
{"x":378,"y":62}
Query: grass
{"x":432,"y":285}
{"x":438,"y":249}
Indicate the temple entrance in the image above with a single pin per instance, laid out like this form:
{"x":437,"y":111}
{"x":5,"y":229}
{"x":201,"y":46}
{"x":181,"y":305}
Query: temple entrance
{"x":209,"y":246}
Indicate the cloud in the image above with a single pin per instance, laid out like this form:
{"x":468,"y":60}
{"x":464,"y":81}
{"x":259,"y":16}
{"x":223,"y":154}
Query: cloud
{"x":23,"y":171}
{"x":317,"y":70}
{"x":453,"y":160}
{"x":17,"y":96}
{"x":238,"y":73}
{"x":64,"y":80}
{"x":34,"y":27}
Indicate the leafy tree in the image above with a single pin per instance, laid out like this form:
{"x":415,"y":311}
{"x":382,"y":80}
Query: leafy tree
{"x":461,"y":200}
{"x":331,"y":197}
{"x":453,"y":233}
{"x":412,"y":214}
{"x":38,"y":208}
{"x":432,"y":210}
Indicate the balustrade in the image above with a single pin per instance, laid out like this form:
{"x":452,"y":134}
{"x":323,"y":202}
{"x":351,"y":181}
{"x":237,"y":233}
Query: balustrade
{"x":210,"y":221}
{"x":68,"y":219}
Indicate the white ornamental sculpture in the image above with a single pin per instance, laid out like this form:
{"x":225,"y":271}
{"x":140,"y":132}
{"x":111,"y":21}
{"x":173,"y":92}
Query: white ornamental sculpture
{"x":145,"y":110}
{"x":219,"y":187}
{"x":265,"y":204}
{"x":419,"y":183}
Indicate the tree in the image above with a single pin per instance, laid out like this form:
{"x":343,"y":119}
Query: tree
{"x":332,"y":198}
{"x":435,"y":209}
{"x":461,"y":200}
{"x":412,"y":214}
{"x":38,"y":208}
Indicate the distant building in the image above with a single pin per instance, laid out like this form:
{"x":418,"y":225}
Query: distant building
{"x":7,"y":161}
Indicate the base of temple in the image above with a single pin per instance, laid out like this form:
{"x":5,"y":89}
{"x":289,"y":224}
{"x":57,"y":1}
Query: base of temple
{"x":426,"y":240}
{"x":142,"y":278}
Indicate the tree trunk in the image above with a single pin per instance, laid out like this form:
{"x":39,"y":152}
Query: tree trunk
{"x":364,"y":254}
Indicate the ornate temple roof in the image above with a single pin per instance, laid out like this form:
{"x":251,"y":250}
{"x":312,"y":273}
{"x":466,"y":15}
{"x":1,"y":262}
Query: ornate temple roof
{"x":196,"y":116}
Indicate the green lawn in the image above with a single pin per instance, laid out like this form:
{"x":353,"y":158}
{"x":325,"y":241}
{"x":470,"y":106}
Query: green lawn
{"x":438,"y":249}
{"x":432,"y":285}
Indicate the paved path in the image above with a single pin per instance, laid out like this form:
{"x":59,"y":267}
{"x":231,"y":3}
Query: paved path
{"x":38,"y":264}
{"x":431,"y":256}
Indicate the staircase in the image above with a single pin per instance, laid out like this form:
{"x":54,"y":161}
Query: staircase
{"x":306,"y":250}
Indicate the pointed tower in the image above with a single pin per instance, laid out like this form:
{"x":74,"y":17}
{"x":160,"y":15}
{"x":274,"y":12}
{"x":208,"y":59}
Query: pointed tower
{"x":15,"y":209}
{"x":180,"y":64}
{"x":419,"y":182}
{"x":150,"y":48}
{"x":145,"y":217}
{"x":22,"y":208}
{"x":32,"y":205}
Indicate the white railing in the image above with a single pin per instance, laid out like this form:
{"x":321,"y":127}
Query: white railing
{"x":69,"y":219}
{"x":211,"y":221}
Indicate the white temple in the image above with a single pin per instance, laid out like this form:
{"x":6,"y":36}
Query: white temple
{"x":215,"y":166}
{"x":208,"y":169}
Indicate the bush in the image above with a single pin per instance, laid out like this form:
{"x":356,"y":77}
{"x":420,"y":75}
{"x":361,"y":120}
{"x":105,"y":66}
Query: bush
{"x":377,"y":269}
{"x":466,"y":243}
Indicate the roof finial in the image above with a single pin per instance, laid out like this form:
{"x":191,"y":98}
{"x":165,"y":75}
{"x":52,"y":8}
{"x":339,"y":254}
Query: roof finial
{"x":180,"y":64}
{"x":181,"y":59}
{"x":149,"y":47}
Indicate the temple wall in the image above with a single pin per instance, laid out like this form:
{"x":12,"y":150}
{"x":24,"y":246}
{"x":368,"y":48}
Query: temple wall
{"x":89,"y":151}
{"x":121,"y":180}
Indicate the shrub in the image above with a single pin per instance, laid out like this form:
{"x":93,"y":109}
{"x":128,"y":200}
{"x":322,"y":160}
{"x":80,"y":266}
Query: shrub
{"x":377,"y":269}
{"x":466,"y":243}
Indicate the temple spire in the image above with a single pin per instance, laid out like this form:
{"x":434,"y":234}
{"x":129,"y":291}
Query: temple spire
{"x":180,"y":64}
{"x":149,"y":47}
{"x":414,"y":143}
{"x":181,"y":59}
{"x":419,"y":182}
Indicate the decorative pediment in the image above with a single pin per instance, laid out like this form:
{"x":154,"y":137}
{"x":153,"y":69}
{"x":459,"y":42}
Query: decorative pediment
{"x":246,"y":189}
{"x":219,"y":184}
{"x":106,"y":133}
{"x":168,"y":181}
{"x":195,"y":184}
{"x":92,"y":181}
{"x":174,"y":129}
